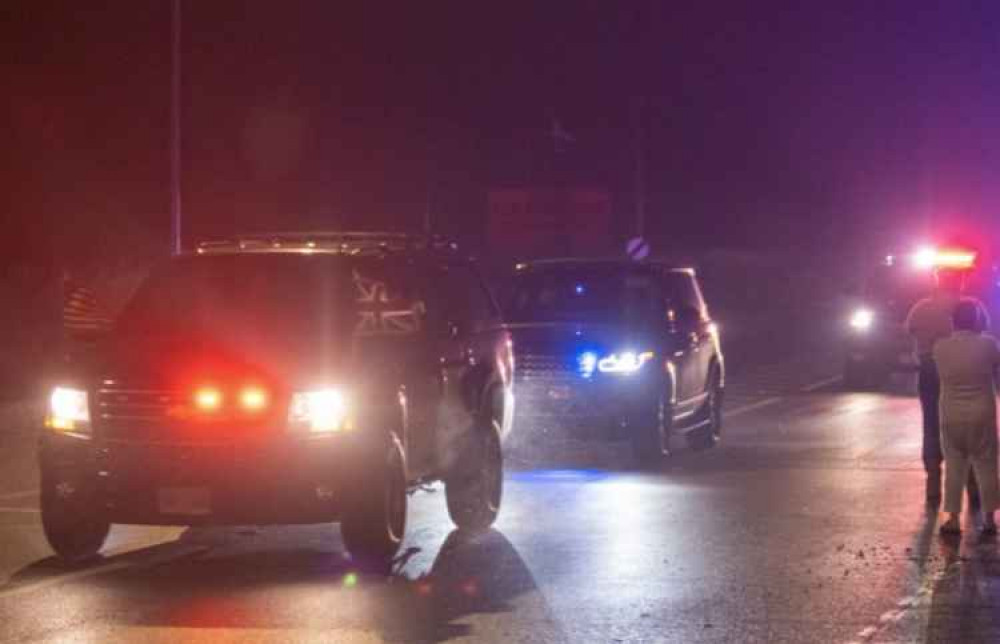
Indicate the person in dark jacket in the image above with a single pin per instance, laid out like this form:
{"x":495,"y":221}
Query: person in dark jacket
{"x":930,"y":320}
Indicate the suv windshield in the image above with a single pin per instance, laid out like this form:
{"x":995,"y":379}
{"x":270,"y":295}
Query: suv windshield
{"x":899,"y":285}
{"x":585,"y":294}
{"x":274,"y":297}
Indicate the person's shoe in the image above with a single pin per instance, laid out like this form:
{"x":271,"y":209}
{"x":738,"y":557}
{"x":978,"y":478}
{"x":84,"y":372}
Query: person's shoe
{"x":951,"y":526}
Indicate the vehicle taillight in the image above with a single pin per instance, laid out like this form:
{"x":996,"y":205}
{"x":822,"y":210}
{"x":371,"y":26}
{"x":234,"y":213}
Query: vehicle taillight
{"x":253,"y":399}
{"x":208,"y":399}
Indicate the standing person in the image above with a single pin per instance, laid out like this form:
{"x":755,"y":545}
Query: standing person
{"x":967,"y":362}
{"x":930,"y":320}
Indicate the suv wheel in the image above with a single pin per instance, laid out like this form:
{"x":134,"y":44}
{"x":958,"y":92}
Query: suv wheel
{"x":373,"y":524}
{"x":649,"y":430}
{"x":708,"y":435}
{"x":474,"y":491}
{"x":72,"y":521}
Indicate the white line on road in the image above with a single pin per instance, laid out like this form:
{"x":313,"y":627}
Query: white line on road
{"x":62,"y":579}
{"x":23,"y":494}
{"x":822,"y":383}
{"x":752,"y":406}
{"x":20,"y":510}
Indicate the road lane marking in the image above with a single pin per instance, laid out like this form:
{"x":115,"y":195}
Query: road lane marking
{"x":42,"y":584}
{"x":918,"y":601}
{"x":20,"y":510}
{"x":752,"y":406}
{"x":23,"y":494}
{"x":820,"y":384}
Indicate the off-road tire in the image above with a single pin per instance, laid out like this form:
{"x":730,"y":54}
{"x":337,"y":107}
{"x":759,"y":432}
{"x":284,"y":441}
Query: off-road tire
{"x":74,"y":524}
{"x":374,"y":520}
{"x":649,"y":433}
{"x":709,"y":433}
{"x":474,"y":489}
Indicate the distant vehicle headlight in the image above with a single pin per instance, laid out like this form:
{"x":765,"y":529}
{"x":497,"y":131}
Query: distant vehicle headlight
{"x":862,"y":319}
{"x":324,"y":411}
{"x":626,"y":362}
{"x":68,"y":411}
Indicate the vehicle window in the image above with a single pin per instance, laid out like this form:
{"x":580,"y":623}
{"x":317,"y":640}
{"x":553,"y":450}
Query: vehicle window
{"x":586,"y":294}
{"x":277,"y":298}
{"x":891,"y":284}
{"x":683,"y":291}
{"x":468,"y":302}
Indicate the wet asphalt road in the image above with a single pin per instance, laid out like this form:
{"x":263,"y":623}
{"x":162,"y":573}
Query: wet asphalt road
{"x":806,"y":525}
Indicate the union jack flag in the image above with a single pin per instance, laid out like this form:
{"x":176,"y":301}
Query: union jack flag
{"x":379,"y":315}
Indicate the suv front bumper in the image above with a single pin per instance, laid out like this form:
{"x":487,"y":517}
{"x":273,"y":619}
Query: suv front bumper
{"x":277,"y":481}
{"x":584,"y":407}
{"x":885,"y":347}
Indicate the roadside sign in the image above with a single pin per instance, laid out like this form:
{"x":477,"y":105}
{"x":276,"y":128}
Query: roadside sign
{"x":637,"y":248}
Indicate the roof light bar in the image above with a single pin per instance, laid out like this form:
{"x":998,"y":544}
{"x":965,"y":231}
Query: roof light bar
{"x":950,"y":258}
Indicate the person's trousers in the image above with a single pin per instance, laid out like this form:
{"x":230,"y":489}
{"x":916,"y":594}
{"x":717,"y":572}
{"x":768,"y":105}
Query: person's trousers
{"x":929,"y":388}
{"x":965,"y":447}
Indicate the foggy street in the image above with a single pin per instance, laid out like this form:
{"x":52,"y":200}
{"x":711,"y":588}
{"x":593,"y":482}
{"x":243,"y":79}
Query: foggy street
{"x":584,"y":322}
{"x":806,"y":524}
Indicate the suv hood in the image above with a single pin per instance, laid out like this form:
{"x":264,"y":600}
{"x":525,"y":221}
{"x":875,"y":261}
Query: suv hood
{"x":175,"y":361}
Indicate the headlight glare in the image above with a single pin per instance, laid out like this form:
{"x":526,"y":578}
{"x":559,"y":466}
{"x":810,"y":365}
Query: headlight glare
{"x":862,"y":319}
{"x":69,"y":410}
{"x":625,"y":362}
{"x":324,"y":411}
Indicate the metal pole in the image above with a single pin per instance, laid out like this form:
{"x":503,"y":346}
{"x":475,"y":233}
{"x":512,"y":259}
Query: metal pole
{"x":640,"y":186}
{"x":175,"y":128}
{"x":429,"y":203}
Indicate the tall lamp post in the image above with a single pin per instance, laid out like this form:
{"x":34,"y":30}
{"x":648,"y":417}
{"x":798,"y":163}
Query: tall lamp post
{"x":175,"y":128}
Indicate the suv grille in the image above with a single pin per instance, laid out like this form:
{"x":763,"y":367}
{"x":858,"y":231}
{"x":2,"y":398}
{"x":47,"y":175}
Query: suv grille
{"x":537,"y":367}
{"x":135,"y":404}
{"x":135,"y":413}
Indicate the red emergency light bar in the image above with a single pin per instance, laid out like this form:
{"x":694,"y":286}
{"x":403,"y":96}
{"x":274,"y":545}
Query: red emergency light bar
{"x":944,"y":258}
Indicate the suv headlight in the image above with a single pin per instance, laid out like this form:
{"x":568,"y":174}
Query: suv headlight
{"x":323,"y":411}
{"x":68,"y":411}
{"x":625,"y":362}
{"x":862,"y":319}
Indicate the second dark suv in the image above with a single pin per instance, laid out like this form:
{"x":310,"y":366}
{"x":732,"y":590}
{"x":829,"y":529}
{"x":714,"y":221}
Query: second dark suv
{"x":629,"y":347}
{"x":285,"y":379}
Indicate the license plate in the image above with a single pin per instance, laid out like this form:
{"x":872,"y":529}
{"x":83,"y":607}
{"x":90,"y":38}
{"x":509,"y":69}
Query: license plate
{"x":560,"y":393}
{"x":188,"y":501}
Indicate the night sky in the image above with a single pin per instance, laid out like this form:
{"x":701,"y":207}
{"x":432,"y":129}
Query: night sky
{"x":764,"y":124}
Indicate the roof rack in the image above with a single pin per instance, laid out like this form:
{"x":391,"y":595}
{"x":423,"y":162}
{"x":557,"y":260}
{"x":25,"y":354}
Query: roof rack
{"x":529,"y":264}
{"x":349,"y":243}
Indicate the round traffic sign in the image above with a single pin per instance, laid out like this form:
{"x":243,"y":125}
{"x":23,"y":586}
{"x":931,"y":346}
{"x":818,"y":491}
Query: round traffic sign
{"x":637,"y":248}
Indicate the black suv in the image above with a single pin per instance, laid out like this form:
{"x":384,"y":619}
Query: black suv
{"x":876,"y":341}
{"x":285,"y":379}
{"x":628,"y":344}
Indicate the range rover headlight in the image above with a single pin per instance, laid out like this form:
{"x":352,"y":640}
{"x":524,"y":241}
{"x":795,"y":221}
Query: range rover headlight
{"x":68,"y":411}
{"x":862,"y":319}
{"x":323,"y":411}
{"x":626,"y":362}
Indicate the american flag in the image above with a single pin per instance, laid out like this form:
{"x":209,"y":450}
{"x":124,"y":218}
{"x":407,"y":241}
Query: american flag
{"x":81,"y":311}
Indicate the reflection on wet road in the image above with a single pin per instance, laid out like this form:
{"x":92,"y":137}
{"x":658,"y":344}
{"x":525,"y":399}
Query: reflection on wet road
{"x":806,"y":525}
